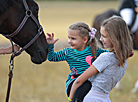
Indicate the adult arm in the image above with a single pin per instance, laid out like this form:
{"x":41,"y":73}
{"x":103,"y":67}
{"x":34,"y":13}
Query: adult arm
{"x":8,"y":50}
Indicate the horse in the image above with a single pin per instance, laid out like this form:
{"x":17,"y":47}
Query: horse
{"x":19,"y":23}
{"x":109,"y":13}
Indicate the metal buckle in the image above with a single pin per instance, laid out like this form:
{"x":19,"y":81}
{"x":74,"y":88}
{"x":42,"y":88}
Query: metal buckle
{"x":40,"y":30}
{"x":29,"y":13}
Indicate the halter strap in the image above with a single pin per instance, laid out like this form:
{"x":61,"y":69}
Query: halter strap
{"x":9,"y":36}
{"x":40,"y":29}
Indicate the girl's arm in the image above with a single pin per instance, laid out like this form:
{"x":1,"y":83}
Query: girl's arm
{"x":54,"y":56}
{"x":81,"y":79}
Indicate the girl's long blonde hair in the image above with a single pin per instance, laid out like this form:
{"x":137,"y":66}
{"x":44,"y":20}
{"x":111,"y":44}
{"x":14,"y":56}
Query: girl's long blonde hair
{"x":84,"y":32}
{"x":120,"y":37}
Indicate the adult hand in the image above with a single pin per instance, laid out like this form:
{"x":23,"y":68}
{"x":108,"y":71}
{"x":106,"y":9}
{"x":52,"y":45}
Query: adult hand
{"x":50,"y":38}
{"x":16,"y":47}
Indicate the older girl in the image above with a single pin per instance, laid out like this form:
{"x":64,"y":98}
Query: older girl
{"x":110,"y":66}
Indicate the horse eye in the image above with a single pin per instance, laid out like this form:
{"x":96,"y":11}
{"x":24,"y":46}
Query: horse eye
{"x":36,"y":9}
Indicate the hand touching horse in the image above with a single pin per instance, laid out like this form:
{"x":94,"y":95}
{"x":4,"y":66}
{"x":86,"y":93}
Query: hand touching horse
{"x":19,"y":23}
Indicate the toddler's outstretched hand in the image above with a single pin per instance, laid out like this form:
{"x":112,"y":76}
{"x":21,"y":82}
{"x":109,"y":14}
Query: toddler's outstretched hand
{"x":50,"y":38}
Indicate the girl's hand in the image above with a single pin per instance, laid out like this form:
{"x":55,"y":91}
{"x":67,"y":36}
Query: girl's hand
{"x":136,"y":9}
{"x":50,"y":38}
{"x":69,"y":99}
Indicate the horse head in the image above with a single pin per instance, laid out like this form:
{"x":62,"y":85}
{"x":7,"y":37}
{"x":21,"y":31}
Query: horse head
{"x":19,"y":19}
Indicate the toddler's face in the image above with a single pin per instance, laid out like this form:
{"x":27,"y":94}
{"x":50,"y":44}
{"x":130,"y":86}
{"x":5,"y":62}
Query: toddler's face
{"x":75,"y":40}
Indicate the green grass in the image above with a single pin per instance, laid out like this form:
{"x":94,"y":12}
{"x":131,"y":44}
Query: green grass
{"x":46,"y":82}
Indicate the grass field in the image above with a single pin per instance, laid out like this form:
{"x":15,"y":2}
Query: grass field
{"x":46,"y":82}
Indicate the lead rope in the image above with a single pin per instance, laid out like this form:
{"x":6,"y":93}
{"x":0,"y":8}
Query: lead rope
{"x":11,"y":66}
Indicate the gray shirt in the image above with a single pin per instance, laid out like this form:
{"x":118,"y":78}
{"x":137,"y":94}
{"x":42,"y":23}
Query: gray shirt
{"x":109,"y":72}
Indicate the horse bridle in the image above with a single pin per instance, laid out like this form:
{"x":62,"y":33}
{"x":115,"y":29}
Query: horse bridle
{"x":40,"y":29}
{"x":9,"y":36}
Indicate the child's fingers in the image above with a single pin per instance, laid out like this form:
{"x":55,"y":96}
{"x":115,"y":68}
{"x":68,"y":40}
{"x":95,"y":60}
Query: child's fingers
{"x":52,"y":35}
{"x":48,"y":34}
{"x":56,"y":40}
